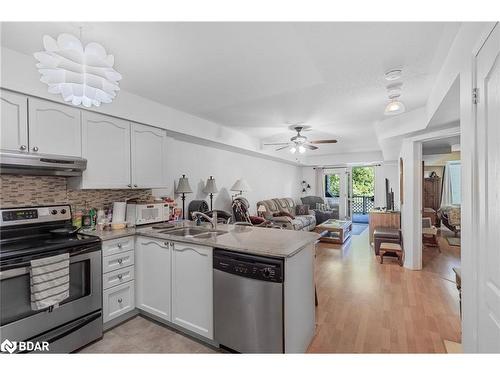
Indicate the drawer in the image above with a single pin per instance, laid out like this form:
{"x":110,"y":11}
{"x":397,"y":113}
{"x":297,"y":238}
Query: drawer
{"x":117,"y":277}
{"x":118,"y":245}
{"x":118,"y":300}
{"x":117,"y":261}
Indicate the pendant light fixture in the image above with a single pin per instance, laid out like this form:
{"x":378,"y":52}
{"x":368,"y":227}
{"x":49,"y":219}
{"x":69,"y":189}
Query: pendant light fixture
{"x":81,"y":75}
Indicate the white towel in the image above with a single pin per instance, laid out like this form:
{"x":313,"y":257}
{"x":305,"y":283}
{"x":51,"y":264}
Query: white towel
{"x":49,"y":279}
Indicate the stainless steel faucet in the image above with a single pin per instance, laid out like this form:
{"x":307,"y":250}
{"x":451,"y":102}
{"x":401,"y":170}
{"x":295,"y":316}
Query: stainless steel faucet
{"x":212,"y":220}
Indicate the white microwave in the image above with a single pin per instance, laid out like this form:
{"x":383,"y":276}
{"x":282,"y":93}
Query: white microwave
{"x":147,"y":213}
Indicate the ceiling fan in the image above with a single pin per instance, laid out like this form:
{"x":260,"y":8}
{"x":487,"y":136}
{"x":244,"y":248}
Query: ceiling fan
{"x":299,"y":142}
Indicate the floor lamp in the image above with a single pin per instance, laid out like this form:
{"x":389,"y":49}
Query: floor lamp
{"x":183,"y":188}
{"x":211,"y":188}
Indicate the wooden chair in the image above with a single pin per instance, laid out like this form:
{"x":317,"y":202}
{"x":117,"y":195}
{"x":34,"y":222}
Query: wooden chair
{"x":429,"y":233}
{"x":392,"y":249}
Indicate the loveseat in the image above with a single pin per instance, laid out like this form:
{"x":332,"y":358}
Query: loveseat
{"x":283,"y":212}
{"x":322,"y":214}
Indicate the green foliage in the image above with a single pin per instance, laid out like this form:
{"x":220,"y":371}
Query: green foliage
{"x":333,"y":184}
{"x":363,"y":181}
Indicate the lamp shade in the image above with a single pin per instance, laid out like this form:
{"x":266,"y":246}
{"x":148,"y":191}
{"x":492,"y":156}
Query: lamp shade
{"x":183,"y":185}
{"x":261,"y":208}
{"x":241,"y":185}
{"x":210,"y":187}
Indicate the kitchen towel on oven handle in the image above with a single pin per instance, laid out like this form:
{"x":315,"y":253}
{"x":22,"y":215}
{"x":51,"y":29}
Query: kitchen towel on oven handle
{"x":49,"y":281}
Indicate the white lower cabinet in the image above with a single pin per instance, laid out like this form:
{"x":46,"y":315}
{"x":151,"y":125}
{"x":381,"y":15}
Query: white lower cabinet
{"x":118,"y":295}
{"x":192,"y":288}
{"x":118,"y":300}
{"x":153,"y":275}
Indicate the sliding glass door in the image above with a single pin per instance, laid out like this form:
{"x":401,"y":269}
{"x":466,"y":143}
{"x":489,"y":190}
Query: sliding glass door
{"x":337,"y":182}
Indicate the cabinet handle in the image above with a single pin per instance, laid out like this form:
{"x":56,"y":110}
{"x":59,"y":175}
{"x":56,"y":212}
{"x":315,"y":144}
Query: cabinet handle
{"x":22,"y":147}
{"x":129,"y":185}
{"x":120,"y":300}
{"x":135,"y":185}
{"x":120,"y":261}
{"x":119,"y":245}
{"x":35,"y":148}
{"x":120,"y":276}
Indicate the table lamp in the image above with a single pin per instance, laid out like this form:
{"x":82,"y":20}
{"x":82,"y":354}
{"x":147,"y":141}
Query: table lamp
{"x":183,"y":188}
{"x":211,"y":188}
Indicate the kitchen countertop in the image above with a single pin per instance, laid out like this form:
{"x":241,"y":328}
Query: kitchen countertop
{"x":280,"y":243}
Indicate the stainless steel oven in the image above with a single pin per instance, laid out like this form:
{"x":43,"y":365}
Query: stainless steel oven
{"x":77,"y":320}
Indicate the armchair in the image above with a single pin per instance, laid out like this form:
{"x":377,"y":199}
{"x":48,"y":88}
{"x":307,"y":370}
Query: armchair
{"x":321,"y":215}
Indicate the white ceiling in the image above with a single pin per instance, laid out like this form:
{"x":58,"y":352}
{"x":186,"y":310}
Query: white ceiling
{"x":440,"y":146}
{"x":261,"y":77}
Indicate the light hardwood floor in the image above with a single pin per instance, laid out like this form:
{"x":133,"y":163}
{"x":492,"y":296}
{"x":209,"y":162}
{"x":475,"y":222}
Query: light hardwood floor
{"x":368,"y":307}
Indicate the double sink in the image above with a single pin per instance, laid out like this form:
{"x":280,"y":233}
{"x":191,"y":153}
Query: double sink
{"x":193,"y":232}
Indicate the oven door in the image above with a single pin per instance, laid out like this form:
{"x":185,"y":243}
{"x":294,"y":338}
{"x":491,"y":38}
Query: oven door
{"x":19,"y":322}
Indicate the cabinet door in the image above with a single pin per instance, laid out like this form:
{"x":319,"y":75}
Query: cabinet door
{"x":149,"y":156}
{"x":54,"y":128}
{"x":192,"y":288}
{"x":117,"y":301}
{"x":106,"y":146}
{"x":14,"y":125}
{"x":152,"y":275}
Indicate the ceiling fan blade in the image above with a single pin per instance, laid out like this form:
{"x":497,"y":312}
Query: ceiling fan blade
{"x":310,"y":147}
{"x":322,"y":141}
{"x":281,"y":148}
{"x":276,"y":144}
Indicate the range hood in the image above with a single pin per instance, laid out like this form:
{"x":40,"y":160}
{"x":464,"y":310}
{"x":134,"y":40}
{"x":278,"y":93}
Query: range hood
{"x":42,"y":165}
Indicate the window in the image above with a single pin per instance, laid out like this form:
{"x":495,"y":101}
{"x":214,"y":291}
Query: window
{"x":332,"y":185}
{"x":454,"y":168}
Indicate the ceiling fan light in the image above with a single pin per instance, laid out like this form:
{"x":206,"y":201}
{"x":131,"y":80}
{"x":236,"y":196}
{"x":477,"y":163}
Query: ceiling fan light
{"x":394,"y":107}
{"x":393,"y":74}
{"x":293,"y":150}
{"x":302,"y":149}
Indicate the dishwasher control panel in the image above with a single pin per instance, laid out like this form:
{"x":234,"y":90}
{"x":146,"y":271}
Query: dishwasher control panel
{"x":254,"y":267}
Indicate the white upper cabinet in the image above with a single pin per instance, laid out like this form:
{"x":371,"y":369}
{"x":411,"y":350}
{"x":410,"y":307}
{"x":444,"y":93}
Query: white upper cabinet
{"x":149,"y":156}
{"x":192,"y":288}
{"x":54,"y":128}
{"x":152,"y":274}
{"x":106,"y":146}
{"x":14,"y":121}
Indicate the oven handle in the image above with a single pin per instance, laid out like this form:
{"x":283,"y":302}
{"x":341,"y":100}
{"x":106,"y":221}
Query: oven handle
{"x":68,"y":329}
{"x":25,"y":267}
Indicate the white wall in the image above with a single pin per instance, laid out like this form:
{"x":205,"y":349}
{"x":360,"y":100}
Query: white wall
{"x":267,"y":178}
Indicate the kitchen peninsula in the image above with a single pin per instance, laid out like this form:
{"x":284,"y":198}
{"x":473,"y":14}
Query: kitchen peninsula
{"x":169,"y":275}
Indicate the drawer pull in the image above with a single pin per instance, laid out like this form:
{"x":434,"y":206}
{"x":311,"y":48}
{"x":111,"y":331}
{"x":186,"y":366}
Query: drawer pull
{"x":120,"y":276}
{"x":120,"y":300}
{"x":119,"y":245}
{"x":120,"y":261}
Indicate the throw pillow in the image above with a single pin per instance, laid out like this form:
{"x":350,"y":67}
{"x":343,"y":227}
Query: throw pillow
{"x":256,"y":220}
{"x":283,"y":213}
{"x":302,"y":209}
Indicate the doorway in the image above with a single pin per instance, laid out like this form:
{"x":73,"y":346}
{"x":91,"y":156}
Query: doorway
{"x":363,"y":193}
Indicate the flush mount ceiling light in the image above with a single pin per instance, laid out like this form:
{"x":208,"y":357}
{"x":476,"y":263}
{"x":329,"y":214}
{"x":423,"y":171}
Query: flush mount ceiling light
{"x":83,"y":76}
{"x":395,"y":106}
{"x":393,"y":74}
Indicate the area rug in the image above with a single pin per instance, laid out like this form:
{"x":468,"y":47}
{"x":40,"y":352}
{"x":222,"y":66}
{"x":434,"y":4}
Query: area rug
{"x":453,"y":241}
{"x":357,"y":229}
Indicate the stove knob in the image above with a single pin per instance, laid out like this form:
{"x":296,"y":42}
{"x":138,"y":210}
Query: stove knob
{"x":266,"y":272}
{"x":53,"y":212}
{"x":63,"y":211}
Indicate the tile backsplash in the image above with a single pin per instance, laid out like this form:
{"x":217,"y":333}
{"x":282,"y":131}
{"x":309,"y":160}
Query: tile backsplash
{"x":17,"y":191}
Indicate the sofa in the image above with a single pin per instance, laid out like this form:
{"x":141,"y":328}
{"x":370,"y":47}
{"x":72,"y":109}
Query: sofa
{"x":332,"y":212}
{"x":283,"y":213}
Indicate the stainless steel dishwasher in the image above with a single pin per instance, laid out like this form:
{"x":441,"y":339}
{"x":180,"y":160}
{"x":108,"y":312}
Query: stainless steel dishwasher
{"x":248,"y":302}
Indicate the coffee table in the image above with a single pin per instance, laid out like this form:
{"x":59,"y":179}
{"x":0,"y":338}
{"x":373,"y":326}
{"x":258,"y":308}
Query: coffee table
{"x":334,"y":231}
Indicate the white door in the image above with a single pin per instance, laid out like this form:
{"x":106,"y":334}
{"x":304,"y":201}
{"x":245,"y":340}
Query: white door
{"x":106,"y":146}
{"x":149,"y":156}
{"x":54,"y":128}
{"x":192,"y":288}
{"x":153,"y":276}
{"x":488,"y":238}
{"x":14,"y":125}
